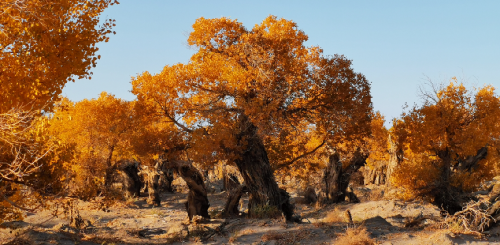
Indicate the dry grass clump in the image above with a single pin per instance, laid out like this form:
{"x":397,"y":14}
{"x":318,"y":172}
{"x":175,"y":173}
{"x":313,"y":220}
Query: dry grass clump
{"x":334,"y":216}
{"x":286,"y":238}
{"x":355,"y":236}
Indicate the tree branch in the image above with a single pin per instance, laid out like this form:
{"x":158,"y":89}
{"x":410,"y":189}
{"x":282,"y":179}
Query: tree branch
{"x":301,"y":156}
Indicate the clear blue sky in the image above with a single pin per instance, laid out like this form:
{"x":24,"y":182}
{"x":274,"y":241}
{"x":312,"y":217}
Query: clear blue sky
{"x":395,"y":44}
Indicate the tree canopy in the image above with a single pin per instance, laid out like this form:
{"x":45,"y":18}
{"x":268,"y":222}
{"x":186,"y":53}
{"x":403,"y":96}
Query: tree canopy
{"x":44,"y":44}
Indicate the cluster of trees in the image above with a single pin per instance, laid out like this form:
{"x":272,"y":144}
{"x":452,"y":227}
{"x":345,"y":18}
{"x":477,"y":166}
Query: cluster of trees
{"x":257,"y":99}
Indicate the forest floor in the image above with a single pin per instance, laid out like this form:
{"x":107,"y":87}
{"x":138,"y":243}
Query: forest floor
{"x":136,"y":222}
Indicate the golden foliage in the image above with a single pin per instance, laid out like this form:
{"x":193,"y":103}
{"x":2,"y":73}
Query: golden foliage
{"x":100,"y":131}
{"x":296,"y":97}
{"x":378,"y":143}
{"x":440,"y":137}
{"x":44,"y":44}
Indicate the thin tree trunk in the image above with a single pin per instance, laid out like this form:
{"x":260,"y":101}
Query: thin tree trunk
{"x":110,"y":169}
{"x":233,"y":200}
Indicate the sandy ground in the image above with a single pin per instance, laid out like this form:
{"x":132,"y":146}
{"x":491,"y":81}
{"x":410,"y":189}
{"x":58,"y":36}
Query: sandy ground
{"x":139,"y":223}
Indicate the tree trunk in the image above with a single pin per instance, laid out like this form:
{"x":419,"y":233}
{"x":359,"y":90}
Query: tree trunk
{"x":257,"y":173}
{"x":443,"y":192}
{"x":152,"y":176}
{"x":395,"y":158}
{"x":335,"y":180}
{"x":330,"y":189}
{"x":233,"y":200}
{"x":197,"y":203}
{"x":230,"y":181}
{"x":357,"y":161}
{"x":381,"y":175}
{"x":471,"y":161}
{"x":110,"y":169}
{"x":131,"y":182}
{"x":376,"y":176}
{"x":166,"y":178}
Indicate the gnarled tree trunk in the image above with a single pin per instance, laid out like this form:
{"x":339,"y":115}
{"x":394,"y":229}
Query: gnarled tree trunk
{"x":395,"y":159}
{"x":197,"y":203}
{"x":233,"y":200}
{"x":330,"y":188}
{"x":335,"y":180}
{"x":444,"y":194}
{"x":257,"y":173}
{"x":131,"y":182}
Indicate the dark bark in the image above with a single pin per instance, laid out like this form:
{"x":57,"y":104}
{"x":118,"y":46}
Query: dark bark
{"x":444,"y":194}
{"x":471,"y":161}
{"x":230,"y":182}
{"x":357,"y":161}
{"x":330,"y":188}
{"x":233,"y":200}
{"x":110,"y":169}
{"x":197,"y":203}
{"x":166,"y":178}
{"x":335,"y":180}
{"x":310,"y":195}
{"x":131,"y":182}
{"x":257,"y":173}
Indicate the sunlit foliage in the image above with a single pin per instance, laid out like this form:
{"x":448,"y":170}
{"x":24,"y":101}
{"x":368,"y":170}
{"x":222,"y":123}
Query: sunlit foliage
{"x":44,"y":44}
{"x":100,"y":130}
{"x":444,"y":140}
{"x":296,"y":97}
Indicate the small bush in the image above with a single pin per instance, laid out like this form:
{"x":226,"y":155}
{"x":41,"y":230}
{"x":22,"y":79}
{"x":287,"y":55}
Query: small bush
{"x":334,"y":216}
{"x":355,"y":236}
{"x":266,"y":211}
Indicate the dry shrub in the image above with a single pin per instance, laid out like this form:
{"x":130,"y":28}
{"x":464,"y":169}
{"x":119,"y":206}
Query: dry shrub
{"x":266,"y":211}
{"x":473,"y":219}
{"x":355,"y":236}
{"x":334,"y":216}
